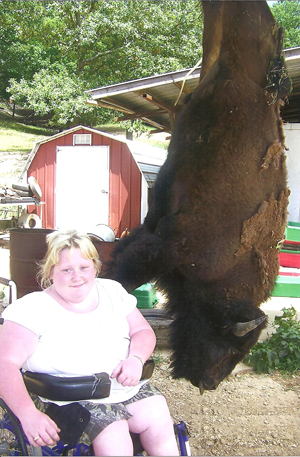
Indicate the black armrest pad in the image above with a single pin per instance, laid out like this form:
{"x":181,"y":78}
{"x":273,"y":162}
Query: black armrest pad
{"x":148,"y":369}
{"x":59,"y":388}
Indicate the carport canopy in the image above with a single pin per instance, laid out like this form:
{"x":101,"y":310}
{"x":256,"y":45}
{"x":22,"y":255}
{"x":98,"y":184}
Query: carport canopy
{"x":156,"y":100}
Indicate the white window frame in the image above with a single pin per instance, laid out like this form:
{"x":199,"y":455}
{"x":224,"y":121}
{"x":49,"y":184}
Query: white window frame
{"x":82,"y":139}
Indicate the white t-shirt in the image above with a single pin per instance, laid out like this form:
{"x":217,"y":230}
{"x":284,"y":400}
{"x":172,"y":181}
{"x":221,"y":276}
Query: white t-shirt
{"x":74,"y":344}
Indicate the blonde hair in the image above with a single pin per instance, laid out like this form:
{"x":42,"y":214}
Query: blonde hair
{"x":67,"y":239}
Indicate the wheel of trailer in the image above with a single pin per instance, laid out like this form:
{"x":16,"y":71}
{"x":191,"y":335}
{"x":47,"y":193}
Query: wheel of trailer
{"x":12,"y":440}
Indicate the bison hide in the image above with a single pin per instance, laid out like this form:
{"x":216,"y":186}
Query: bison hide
{"x":212,"y":235}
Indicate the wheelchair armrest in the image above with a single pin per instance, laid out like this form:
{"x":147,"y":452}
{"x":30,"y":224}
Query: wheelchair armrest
{"x":148,"y":369}
{"x":58,"y":388}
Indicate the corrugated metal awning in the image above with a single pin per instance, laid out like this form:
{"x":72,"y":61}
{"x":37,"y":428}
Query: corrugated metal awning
{"x":153,"y":99}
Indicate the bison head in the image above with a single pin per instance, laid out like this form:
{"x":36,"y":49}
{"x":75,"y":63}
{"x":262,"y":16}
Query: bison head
{"x":207,"y":347}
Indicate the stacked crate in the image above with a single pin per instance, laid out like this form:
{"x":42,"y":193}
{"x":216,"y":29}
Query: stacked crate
{"x":146,"y":296}
{"x":288,"y":281}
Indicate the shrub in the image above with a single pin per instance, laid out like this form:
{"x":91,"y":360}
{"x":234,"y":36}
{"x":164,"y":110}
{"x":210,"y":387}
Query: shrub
{"x":281,"y":351}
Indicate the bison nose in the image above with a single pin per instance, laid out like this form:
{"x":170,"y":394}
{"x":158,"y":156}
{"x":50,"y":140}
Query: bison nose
{"x":207,"y":385}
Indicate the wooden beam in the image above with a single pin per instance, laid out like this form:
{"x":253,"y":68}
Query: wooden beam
{"x":150,"y":98}
{"x":170,"y":110}
{"x":160,"y":131}
{"x":113,"y":107}
{"x":131,"y":115}
{"x":186,"y":88}
{"x":155,"y":124}
{"x":143,"y":114}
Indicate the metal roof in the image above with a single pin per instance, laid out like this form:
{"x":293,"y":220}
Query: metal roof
{"x":148,"y":158}
{"x":157,"y":99}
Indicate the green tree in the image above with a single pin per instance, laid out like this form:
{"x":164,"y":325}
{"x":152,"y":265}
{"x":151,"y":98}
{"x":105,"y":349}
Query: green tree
{"x":86,"y":44}
{"x":19,"y":55}
{"x":52,"y":51}
{"x":287,"y":14}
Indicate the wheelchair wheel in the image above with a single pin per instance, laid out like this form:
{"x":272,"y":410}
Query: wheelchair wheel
{"x":12,"y":440}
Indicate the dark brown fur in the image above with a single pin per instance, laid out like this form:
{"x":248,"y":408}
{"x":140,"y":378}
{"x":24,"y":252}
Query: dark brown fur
{"x":212,"y":234}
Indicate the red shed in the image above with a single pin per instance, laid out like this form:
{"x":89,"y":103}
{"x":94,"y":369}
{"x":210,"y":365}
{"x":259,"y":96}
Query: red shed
{"x":89,"y":177}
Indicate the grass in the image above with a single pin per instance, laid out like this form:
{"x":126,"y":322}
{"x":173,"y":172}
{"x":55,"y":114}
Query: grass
{"x":113,"y":128}
{"x":16,"y":142}
{"x":157,"y":140}
{"x":152,"y":141}
{"x":17,"y":137}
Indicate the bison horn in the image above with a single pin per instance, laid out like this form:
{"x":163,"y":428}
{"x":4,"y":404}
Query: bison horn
{"x":242,"y":328}
{"x":201,"y":388}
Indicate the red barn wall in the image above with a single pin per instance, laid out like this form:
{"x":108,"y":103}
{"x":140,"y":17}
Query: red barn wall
{"x":124,"y":181}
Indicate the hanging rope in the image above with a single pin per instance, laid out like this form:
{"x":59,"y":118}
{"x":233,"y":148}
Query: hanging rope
{"x":185,"y":78}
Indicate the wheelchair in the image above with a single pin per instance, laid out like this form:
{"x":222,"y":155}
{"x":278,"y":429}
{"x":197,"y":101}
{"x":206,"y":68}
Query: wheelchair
{"x":13,"y":441}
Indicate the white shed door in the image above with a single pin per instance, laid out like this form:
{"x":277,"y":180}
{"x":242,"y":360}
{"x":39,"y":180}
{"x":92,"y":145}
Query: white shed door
{"x":82,"y":186}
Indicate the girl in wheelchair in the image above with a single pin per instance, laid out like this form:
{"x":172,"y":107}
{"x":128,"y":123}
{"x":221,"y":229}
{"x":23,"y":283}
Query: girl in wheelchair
{"x":79,"y":325}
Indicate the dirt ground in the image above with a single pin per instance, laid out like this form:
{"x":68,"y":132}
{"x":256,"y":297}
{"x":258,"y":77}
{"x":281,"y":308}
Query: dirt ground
{"x":247,"y":415}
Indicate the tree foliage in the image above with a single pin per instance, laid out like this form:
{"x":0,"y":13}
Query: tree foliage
{"x":287,"y":14}
{"x":52,"y":51}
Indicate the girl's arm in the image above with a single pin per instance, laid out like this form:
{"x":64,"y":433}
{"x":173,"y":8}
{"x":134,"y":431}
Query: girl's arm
{"x":142,"y":343}
{"x":17,"y":343}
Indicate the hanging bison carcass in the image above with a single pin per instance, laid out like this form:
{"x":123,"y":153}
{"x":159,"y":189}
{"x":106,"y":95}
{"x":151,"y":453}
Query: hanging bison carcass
{"x":211,"y":237}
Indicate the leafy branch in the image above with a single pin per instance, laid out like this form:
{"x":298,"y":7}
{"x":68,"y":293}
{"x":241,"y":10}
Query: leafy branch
{"x":281,"y":351}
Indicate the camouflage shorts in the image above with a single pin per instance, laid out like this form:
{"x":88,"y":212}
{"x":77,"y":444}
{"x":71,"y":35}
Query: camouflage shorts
{"x":104,"y":414}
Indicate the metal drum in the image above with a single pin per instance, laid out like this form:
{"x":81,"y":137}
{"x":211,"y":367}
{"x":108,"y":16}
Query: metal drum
{"x":27,"y":247}
{"x":104,"y":249}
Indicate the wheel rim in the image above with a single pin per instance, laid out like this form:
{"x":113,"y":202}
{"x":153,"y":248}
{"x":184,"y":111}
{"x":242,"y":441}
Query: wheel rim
{"x":11,"y":436}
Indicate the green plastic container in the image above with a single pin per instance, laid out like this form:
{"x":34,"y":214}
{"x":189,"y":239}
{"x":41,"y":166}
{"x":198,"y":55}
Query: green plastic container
{"x":292,"y":232}
{"x":287,"y":286}
{"x":146,"y":296}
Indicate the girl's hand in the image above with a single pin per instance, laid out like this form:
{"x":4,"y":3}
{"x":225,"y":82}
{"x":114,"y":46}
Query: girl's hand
{"x":128,"y":372}
{"x":39,"y":429}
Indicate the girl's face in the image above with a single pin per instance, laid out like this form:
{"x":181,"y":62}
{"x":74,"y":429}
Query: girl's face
{"x":73,"y":278}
